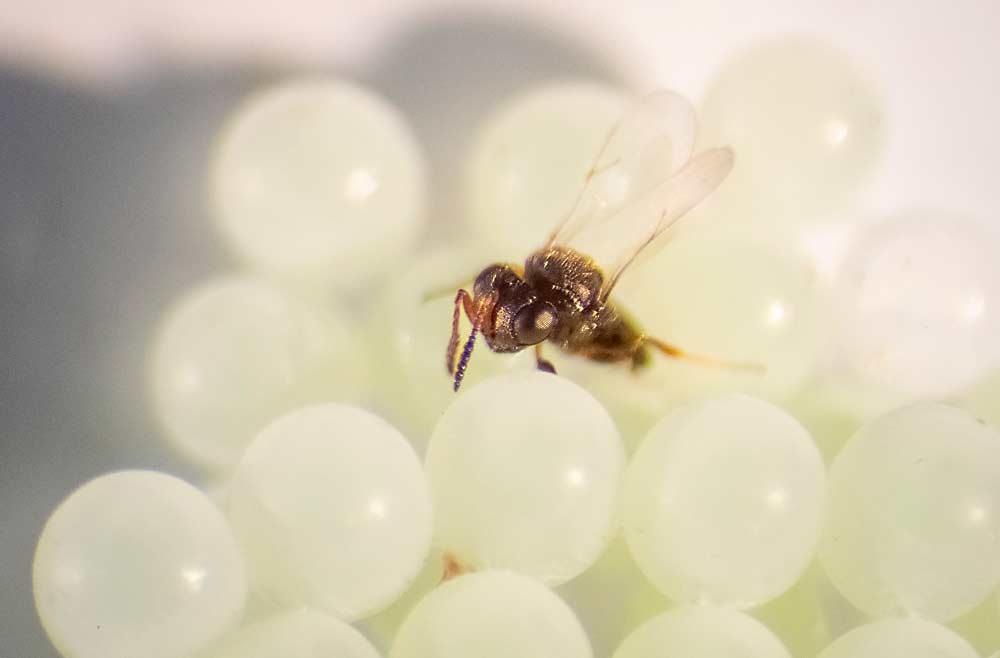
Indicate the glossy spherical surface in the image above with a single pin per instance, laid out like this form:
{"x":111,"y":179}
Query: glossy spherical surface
{"x":805,"y":124}
{"x":913,"y":521}
{"x":137,"y":563}
{"x":912,"y":638}
{"x":723,"y":502}
{"x":320,"y":182}
{"x":727,"y":300}
{"x":524,"y":471}
{"x":919,"y":304}
{"x":702,"y":632}
{"x":491,"y":614}
{"x":531,"y":158}
{"x":236,"y":352}
{"x":302,"y":633}
{"x":331,"y":508}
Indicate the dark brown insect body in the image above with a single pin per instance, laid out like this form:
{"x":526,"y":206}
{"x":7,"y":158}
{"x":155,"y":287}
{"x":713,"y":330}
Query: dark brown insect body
{"x":562,"y":295}
{"x":586,"y":325}
{"x":565,"y":286}
{"x":555,"y":297}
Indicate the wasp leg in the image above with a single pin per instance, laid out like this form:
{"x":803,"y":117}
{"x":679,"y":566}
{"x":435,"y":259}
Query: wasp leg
{"x":543,"y":364}
{"x":677,"y":353}
{"x":462,"y":300}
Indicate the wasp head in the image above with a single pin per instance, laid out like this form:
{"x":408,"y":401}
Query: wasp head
{"x":511,"y":315}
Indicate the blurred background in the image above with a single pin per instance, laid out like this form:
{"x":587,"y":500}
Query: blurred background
{"x":109,"y":110}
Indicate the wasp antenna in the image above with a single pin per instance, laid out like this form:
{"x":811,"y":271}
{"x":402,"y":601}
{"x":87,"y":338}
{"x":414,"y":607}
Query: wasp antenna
{"x":461,"y":299}
{"x":463,"y":362}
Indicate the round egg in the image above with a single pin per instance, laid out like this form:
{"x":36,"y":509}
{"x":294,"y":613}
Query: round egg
{"x":524,"y":470}
{"x":137,"y":563}
{"x":320,"y":182}
{"x":723,"y":502}
{"x":331,"y":508}
{"x":913,"y":518}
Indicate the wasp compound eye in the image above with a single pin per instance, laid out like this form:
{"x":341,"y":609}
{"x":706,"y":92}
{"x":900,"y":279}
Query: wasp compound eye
{"x":534,"y":323}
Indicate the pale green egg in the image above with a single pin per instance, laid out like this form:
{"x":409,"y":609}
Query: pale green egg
{"x":331,"y":509}
{"x":702,"y":632}
{"x":319,"y":181}
{"x":761,"y":312}
{"x":807,"y":128}
{"x":918,"y":304}
{"x":236,"y":352}
{"x":301,"y":633}
{"x":723,"y":502}
{"x":137,"y":563}
{"x":491,"y":614}
{"x":530,"y":161}
{"x":913,"y":638}
{"x":524,"y":472}
{"x":914,"y":514}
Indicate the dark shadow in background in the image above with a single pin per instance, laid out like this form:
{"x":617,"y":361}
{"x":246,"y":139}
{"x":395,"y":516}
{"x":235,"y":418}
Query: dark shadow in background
{"x":103,"y":222}
{"x":448,"y":75}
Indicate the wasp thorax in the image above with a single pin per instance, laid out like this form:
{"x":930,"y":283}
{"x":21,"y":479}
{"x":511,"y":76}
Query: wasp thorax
{"x":534,"y":323}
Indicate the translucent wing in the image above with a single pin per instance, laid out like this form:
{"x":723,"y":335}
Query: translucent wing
{"x":615,"y":244}
{"x":653,"y":140}
{"x":640,"y":184}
